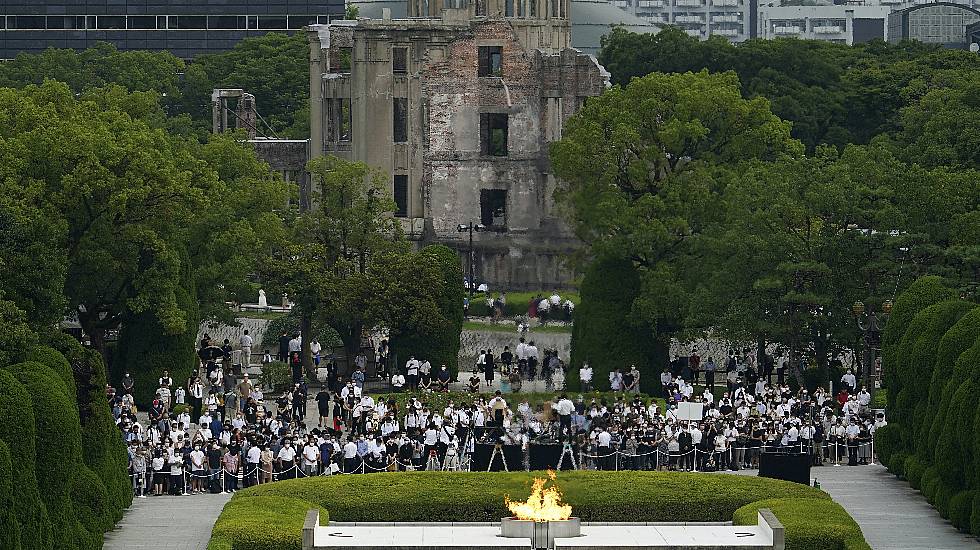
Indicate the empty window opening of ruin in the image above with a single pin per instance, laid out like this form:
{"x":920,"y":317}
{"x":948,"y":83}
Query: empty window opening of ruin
{"x":493,"y":134}
{"x":401,"y":195}
{"x":400,"y":119}
{"x":491,"y":58}
{"x":399,"y":60}
{"x":493,"y":208}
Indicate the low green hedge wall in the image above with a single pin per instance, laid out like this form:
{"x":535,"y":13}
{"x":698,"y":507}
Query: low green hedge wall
{"x":272,"y":515}
{"x":261,"y":523}
{"x":9,"y":528}
{"x":440,"y":496}
{"x":811,"y":524}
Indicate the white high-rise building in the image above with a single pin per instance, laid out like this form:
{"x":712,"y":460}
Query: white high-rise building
{"x":699,"y":18}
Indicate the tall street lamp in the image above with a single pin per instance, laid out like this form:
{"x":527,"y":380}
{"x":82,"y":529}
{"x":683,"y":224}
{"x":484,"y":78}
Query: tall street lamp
{"x":470,"y":227}
{"x":871,"y":324}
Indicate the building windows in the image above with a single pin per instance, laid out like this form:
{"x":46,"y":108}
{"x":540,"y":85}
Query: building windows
{"x":481,"y":8}
{"x":226,"y":22}
{"x":508,"y":8}
{"x":111,"y":22}
{"x":142,"y":22}
{"x":28,"y":22}
{"x":401,"y":196}
{"x":490,"y":60}
{"x":493,"y":134}
{"x":340,"y":60}
{"x":399,"y":60}
{"x":274,"y":22}
{"x":493,"y":208}
{"x":339,"y":120}
{"x":400,"y":119}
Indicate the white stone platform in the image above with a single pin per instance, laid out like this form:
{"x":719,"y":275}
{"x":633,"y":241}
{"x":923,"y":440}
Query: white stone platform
{"x":768,"y":534}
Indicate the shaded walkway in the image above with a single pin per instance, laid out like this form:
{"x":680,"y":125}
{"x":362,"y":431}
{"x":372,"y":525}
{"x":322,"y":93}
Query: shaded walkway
{"x":167,"y":523}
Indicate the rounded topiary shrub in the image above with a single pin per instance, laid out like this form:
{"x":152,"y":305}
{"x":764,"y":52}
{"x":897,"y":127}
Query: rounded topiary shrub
{"x":90,"y":502}
{"x":914,"y":468}
{"x":17,"y":432}
{"x":57,"y":362}
{"x":960,"y":508}
{"x":102,"y":447}
{"x":950,"y":372}
{"x":896,"y":464}
{"x":9,"y":528}
{"x":944,"y":493}
{"x":58,"y":447}
{"x":922,"y":293}
{"x":930,"y":484}
{"x":887,"y":441}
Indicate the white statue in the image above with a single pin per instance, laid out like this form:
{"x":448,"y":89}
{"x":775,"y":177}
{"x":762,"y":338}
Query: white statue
{"x":262,"y":300}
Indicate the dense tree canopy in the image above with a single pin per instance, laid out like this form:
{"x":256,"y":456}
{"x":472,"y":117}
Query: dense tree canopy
{"x":832,"y":93}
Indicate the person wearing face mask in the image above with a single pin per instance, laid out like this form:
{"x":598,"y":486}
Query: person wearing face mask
{"x":198,"y":474}
{"x":287,"y":460}
{"x":443,"y":377}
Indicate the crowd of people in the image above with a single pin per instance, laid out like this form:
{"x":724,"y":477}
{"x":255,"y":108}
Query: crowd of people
{"x":217,"y":431}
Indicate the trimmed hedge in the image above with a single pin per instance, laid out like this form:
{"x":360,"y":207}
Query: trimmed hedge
{"x":17,"y":431}
{"x":90,"y":502}
{"x":247,"y":521}
{"x":913,"y":469}
{"x":960,"y":508}
{"x":103,"y":449}
{"x":811,"y":524}
{"x":479,"y":496}
{"x":261,"y":523}
{"x":916,"y":360}
{"x":930,"y":484}
{"x":960,"y":337}
{"x":54,"y":359}
{"x":439,"y":347}
{"x":58,"y":447}
{"x":9,"y":528}
{"x":896,"y":464}
{"x":922,"y":293}
{"x":888,"y":441}
{"x":606,"y":334}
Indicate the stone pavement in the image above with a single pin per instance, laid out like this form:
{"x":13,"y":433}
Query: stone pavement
{"x":167,"y":523}
{"x":892,"y":515}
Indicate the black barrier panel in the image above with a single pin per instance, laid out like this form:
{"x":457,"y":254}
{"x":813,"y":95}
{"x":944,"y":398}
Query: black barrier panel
{"x":786,"y":466}
{"x":546,"y":457}
{"x":511,"y":453}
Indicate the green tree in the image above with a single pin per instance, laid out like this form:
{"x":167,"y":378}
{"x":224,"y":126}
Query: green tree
{"x":345,"y":262}
{"x":641,"y":168}
{"x":274,"y":67}
{"x":608,"y":334}
{"x":439,"y":344}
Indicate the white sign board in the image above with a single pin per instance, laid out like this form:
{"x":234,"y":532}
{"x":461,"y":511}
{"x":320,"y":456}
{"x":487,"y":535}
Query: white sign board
{"x":690,"y":411}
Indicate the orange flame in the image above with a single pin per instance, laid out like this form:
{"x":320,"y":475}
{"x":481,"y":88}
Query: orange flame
{"x":544,"y":504}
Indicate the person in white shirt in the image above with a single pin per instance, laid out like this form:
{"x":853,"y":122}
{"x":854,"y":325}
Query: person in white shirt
{"x":412,"y":373}
{"x":397,"y":381}
{"x":615,"y":380}
{"x":564,"y":409}
{"x":311,"y":457}
{"x":864,"y":400}
{"x":849,"y":381}
{"x":585,"y":376}
{"x":287,"y":461}
{"x":197,"y":470}
{"x":246,"y":343}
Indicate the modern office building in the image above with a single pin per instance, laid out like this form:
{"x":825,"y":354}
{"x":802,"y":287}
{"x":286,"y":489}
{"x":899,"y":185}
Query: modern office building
{"x":699,"y":18}
{"x":458,"y":104}
{"x":939,"y":23}
{"x":185,"y":27}
{"x":846,"y":24}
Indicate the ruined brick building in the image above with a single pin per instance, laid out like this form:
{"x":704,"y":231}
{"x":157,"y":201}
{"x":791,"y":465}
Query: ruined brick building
{"x":458,"y":104}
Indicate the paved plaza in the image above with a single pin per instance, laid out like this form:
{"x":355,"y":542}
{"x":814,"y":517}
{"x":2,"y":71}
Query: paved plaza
{"x":167,"y":523}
